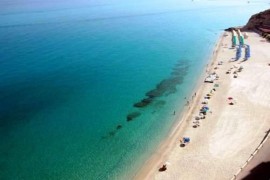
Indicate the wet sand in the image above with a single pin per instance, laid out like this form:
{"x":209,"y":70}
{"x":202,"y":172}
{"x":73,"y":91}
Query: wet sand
{"x":224,"y":140}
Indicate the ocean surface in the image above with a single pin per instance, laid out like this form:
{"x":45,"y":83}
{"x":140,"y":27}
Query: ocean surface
{"x":72,"y":71}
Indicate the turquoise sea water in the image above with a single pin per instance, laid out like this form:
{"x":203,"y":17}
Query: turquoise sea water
{"x":71,"y":72}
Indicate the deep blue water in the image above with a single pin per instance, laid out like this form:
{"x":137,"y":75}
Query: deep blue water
{"x":71,"y":72}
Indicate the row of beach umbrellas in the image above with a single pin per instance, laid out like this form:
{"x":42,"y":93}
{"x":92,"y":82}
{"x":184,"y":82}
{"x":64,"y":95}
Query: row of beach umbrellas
{"x":247,"y":52}
{"x":238,"y":53}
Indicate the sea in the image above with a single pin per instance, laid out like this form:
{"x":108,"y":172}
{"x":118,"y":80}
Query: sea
{"x":89,"y":89}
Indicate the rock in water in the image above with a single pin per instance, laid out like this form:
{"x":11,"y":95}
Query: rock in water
{"x":119,"y":127}
{"x":133,"y":115}
{"x":154,"y":93}
{"x":143,"y":102}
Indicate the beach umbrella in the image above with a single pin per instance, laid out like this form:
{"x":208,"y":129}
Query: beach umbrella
{"x":242,"y":40}
{"x":234,"y":40}
{"x":186,"y":139}
{"x":205,"y":107}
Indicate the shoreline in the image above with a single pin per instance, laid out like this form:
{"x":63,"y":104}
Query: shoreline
{"x":159,"y":156}
{"x":226,"y":138}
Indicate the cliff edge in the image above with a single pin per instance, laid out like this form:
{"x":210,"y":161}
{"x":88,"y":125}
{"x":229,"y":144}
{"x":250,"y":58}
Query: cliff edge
{"x":259,"y":20}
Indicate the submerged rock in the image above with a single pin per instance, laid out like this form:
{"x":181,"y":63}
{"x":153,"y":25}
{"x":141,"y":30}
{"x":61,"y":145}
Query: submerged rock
{"x":168,"y":83}
{"x":144,"y":102}
{"x":176,"y":73}
{"x":182,"y":69}
{"x":133,"y":115}
{"x":176,"y":68}
{"x":119,"y":127}
{"x":154,"y":93}
{"x":172,"y":90}
{"x":159,"y":103}
{"x":147,"y":100}
{"x":166,"y":86}
{"x":112,"y":133}
{"x":109,"y":135}
{"x":179,"y":64}
{"x":140,"y":104}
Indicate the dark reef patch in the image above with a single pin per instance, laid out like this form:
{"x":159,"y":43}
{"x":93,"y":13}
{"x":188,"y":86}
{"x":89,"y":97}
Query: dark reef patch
{"x":176,"y":73}
{"x":144,"y":102}
{"x":167,"y":83}
{"x":112,"y":133}
{"x":159,"y":103}
{"x":181,"y":70}
{"x":154,"y":93}
{"x":166,"y":86}
{"x":119,"y":127}
{"x":163,"y":88}
{"x":109,"y":135}
{"x":133,"y":115}
{"x":180,"y":63}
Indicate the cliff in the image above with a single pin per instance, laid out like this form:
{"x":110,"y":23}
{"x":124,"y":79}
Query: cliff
{"x":259,"y":20}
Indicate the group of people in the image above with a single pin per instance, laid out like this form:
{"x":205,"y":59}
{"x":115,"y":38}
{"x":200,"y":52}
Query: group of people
{"x":183,"y":140}
{"x":193,"y":96}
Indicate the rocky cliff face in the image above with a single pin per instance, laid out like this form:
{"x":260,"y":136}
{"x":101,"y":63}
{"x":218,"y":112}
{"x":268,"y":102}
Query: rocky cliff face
{"x":261,"y":19}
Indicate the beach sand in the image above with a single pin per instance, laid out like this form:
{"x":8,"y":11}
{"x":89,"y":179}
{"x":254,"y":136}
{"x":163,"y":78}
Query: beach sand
{"x":229,"y":134}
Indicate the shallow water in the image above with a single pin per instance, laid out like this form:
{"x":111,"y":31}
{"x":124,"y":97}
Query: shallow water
{"x":71,"y":73}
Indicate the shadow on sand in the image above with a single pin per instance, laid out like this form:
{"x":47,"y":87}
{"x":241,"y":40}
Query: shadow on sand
{"x":260,"y":172}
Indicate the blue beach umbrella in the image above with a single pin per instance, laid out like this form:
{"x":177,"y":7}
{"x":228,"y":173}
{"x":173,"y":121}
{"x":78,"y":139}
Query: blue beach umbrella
{"x":247,"y":52}
{"x":186,"y":139}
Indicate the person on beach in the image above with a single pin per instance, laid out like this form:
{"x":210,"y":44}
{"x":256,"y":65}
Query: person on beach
{"x":180,"y":140}
{"x":173,"y":112}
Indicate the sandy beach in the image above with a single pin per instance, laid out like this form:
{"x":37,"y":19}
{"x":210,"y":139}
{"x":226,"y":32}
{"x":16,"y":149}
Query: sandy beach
{"x":229,"y":134}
